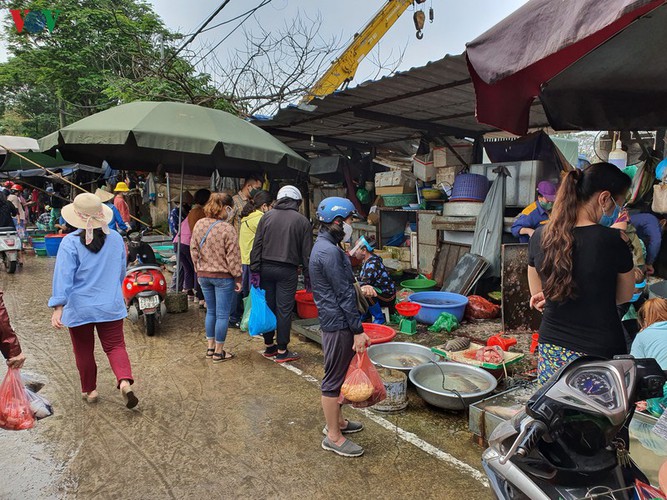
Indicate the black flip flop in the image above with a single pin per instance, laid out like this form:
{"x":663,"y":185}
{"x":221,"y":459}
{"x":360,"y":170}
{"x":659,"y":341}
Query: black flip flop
{"x":222,"y":356}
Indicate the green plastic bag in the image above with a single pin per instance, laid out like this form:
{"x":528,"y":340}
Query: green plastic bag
{"x":247,"y":303}
{"x":445,"y":322}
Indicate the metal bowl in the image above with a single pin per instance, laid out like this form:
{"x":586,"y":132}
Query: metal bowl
{"x":427,"y":379}
{"x":388,"y":355}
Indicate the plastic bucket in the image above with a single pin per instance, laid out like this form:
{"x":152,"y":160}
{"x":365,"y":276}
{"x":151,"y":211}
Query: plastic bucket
{"x":305,"y":305}
{"x":434,"y":303}
{"x":52,"y":243}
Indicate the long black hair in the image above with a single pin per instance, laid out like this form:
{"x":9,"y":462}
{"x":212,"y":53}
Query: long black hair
{"x":578,"y":187}
{"x":260,"y":198}
{"x":98,"y":240}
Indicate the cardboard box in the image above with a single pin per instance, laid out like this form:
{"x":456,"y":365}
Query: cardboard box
{"x":423,"y":169}
{"x":392,"y":178}
{"x":406,"y":188}
{"x":446,"y":175}
{"x":444,"y":157}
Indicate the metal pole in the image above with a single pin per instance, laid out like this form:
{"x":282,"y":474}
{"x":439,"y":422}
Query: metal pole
{"x":168,"y":194}
{"x":180,"y":222}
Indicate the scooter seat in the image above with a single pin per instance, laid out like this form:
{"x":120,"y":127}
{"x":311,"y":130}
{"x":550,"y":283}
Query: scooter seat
{"x":143,"y":267}
{"x":5,"y":230}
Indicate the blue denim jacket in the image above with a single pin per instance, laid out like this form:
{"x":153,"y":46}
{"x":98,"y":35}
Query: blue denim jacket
{"x":89,"y":284}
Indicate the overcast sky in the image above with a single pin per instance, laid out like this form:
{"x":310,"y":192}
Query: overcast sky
{"x":456,"y":22}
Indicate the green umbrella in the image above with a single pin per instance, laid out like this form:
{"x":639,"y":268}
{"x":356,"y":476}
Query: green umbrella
{"x":142,"y":135}
{"x":13,"y":162}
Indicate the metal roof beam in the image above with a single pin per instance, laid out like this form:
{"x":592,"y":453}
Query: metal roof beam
{"x":279,"y":132}
{"x":432,"y":128}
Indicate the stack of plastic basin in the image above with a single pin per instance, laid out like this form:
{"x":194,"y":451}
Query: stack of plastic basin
{"x":39,"y":245}
{"x":52,"y":243}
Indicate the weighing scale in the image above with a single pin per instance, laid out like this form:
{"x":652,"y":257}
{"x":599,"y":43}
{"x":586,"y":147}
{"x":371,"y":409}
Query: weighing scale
{"x":408,"y":325}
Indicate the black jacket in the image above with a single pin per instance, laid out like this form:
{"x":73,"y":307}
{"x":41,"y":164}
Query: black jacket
{"x":333,"y":286}
{"x":7,"y":211}
{"x":283,"y":236}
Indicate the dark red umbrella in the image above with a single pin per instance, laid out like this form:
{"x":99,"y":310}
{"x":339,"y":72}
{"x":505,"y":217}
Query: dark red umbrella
{"x":594,"y":65}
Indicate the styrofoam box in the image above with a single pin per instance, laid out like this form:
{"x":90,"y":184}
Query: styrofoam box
{"x":424,"y":171}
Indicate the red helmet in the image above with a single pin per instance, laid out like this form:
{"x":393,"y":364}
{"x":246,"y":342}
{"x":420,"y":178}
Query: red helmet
{"x":17,"y":187}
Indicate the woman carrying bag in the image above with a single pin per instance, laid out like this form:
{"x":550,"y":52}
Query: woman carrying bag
{"x":217,"y":259}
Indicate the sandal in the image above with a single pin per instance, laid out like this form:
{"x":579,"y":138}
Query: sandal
{"x":209,"y":353}
{"x":219,"y":357}
{"x":128,"y":396}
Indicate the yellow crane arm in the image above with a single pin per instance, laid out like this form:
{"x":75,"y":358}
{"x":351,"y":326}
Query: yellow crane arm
{"x":342,"y":70}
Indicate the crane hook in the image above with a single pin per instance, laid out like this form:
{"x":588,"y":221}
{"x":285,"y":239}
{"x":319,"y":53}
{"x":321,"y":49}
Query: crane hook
{"x":419,"y":34}
{"x":419,"y":17}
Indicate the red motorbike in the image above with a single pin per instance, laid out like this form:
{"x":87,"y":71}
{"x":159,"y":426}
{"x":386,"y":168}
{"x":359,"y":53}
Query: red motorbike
{"x":144,"y":289}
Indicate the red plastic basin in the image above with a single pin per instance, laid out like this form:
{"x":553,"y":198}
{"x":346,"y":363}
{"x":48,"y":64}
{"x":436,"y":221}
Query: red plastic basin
{"x":379,"y":334}
{"x":408,"y":309}
{"x":305,"y":305}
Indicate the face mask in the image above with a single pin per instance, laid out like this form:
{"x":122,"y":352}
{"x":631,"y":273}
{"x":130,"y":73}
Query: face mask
{"x":608,"y":220}
{"x":347,"y":230}
{"x":230,"y":211}
{"x":547,"y":205}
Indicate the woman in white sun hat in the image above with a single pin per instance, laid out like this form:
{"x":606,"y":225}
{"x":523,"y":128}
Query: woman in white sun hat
{"x":87,"y":294}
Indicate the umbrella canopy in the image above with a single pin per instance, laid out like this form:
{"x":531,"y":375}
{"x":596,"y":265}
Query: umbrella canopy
{"x":20,"y":144}
{"x":143,"y":135}
{"x":594,"y":64}
{"x":13,"y":162}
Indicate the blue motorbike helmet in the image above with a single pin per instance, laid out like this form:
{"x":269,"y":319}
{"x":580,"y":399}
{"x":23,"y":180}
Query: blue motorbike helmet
{"x":330,"y":208}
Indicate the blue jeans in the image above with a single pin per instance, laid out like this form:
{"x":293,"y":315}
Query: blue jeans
{"x":218,"y":294}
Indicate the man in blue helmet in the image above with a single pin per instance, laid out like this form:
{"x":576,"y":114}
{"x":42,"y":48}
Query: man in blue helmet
{"x":340,"y":322}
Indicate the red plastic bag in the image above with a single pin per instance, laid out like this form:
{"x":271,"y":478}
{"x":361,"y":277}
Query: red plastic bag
{"x":480,"y":308}
{"x":15,"y":413}
{"x":363,"y":386}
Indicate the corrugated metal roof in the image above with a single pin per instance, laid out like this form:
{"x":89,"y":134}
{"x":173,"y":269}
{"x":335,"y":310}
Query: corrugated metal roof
{"x":438,"y":98}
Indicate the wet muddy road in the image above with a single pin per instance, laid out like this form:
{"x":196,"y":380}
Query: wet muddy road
{"x":247,"y":428}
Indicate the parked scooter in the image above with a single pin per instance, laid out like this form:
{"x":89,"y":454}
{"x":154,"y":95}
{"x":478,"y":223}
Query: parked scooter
{"x":10,"y":246}
{"x":144,"y":287}
{"x":567,"y":444}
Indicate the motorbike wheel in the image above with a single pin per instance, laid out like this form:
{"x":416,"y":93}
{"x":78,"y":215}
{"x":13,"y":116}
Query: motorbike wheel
{"x":11,"y":266}
{"x":151,"y":324}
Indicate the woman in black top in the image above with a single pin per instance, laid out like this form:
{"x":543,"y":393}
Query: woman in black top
{"x":579,"y":269}
{"x":7,"y":211}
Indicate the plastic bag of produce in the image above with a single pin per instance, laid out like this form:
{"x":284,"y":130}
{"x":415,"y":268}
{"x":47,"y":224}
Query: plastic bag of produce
{"x":15,"y":413}
{"x":39,"y":405}
{"x":480,"y":308}
{"x":247,"y":304}
{"x":446,"y":322}
{"x":262,"y":319}
{"x":363,"y":386}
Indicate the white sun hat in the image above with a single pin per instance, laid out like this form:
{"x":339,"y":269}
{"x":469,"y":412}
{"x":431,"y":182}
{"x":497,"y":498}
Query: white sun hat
{"x":88,"y":212}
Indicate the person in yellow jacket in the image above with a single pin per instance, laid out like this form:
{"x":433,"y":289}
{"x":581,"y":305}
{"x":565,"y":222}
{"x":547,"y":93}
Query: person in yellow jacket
{"x":252,"y":212}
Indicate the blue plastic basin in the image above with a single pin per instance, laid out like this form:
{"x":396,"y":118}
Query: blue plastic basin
{"x":434,"y":303}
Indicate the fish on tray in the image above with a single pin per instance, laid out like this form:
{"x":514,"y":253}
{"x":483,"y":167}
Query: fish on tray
{"x":457,"y":344}
{"x":505,"y":412}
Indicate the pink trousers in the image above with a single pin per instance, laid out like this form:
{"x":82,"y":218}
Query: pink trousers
{"x":113,"y":345}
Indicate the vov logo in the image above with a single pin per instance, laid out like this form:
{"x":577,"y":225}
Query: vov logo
{"x":34,"y":21}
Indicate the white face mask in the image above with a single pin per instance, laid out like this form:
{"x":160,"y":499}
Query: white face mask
{"x":347,"y":230}
{"x":230,"y":212}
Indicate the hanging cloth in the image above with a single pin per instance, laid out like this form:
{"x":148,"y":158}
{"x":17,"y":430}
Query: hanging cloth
{"x":489,"y":227}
